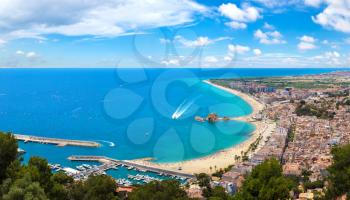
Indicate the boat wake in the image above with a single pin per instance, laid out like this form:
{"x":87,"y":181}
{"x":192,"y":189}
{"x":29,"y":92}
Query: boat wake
{"x":183,"y":107}
{"x":110,"y":144}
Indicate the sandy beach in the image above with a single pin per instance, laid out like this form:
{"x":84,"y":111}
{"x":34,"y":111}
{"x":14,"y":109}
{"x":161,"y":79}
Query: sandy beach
{"x":223,"y":158}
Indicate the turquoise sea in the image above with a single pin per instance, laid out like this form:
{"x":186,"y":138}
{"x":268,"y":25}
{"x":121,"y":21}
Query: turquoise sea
{"x":133,"y":113}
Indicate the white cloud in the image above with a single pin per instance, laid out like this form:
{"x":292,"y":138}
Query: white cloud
{"x":171,"y":62}
{"x":268,"y":26}
{"x":330,"y":58}
{"x":307,"y":43}
{"x":239,"y":16}
{"x":270,"y":37}
{"x":236,"y":25}
{"x":28,"y":55}
{"x":19,"y":52}
{"x":2,"y":42}
{"x":232,"y":50}
{"x":306,"y":46}
{"x":228,"y":58}
{"x":199,"y":42}
{"x":278,"y":4}
{"x":313,"y":3}
{"x":211,"y":59}
{"x":102,"y":18}
{"x":240,"y":49}
{"x":332,"y":44}
{"x":31,"y":55}
{"x":277,"y":60}
{"x":308,"y":39}
{"x":257,"y":52}
{"x":335,"y":16}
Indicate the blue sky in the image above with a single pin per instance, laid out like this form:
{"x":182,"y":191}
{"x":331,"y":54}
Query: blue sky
{"x":175,"y":33}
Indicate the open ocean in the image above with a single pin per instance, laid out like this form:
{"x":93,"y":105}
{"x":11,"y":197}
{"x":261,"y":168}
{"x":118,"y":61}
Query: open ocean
{"x":133,"y":113}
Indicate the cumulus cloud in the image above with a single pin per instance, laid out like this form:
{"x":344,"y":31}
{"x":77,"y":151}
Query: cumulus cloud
{"x":306,"y":43}
{"x":239,"y":16}
{"x":232,"y":50}
{"x":2,"y":42}
{"x":239,"y":49}
{"x":257,"y":52}
{"x":199,"y":42}
{"x":306,"y":46}
{"x":236,"y":25}
{"x":268,"y":26}
{"x":29,"y":55}
{"x":313,"y":3}
{"x":269,"y":37}
{"x":335,"y":15}
{"x":19,"y":52}
{"x":211,"y":59}
{"x":171,"y":62}
{"x":308,"y":39}
{"x":101,"y":18}
{"x":331,"y":58}
{"x":278,"y":5}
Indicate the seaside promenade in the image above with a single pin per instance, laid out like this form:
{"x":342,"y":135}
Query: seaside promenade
{"x":56,"y":141}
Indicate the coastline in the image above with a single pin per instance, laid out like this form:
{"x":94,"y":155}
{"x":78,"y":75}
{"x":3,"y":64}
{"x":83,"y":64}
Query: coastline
{"x":221,"y":159}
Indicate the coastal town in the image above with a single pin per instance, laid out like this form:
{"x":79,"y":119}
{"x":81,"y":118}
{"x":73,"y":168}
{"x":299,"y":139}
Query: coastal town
{"x":297,"y":124}
{"x":297,"y":119}
{"x":310,"y":120}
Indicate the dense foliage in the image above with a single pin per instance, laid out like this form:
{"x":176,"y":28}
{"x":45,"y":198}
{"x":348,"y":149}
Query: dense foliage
{"x":164,"y":190}
{"x":305,"y":109}
{"x":8,"y":153}
{"x":339,"y":178}
{"x":266,"y":182}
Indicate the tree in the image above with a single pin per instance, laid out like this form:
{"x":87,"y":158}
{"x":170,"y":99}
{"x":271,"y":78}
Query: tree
{"x":77,"y":191}
{"x":58,"y":192}
{"x":219,"y":193}
{"x":35,"y":181}
{"x":40,"y":172}
{"x":25,"y":189}
{"x":266,"y":182}
{"x":8,"y":152}
{"x":164,"y":190}
{"x":62,"y":178}
{"x":203,"y":180}
{"x":339,"y":171}
{"x":100,"y":187}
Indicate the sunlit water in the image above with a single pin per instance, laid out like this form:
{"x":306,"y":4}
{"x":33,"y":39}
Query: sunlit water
{"x":133,"y":113}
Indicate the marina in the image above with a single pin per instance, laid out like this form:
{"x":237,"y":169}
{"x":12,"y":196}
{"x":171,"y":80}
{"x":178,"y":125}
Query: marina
{"x":134,"y":174}
{"x":109,"y":162}
{"x":56,"y":141}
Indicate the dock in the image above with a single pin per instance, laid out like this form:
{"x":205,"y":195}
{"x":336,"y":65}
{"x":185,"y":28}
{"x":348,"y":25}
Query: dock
{"x":106,"y":160}
{"x":56,"y":141}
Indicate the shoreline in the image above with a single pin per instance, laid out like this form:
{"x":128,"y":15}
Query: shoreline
{"x":223,"y":158}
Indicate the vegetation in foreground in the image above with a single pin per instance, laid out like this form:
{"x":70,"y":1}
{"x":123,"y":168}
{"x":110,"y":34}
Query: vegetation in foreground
{"x":35,"y":181}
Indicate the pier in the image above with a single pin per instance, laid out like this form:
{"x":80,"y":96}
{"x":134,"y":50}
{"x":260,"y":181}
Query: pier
{"x":106,"y":160}
{"x":56,"y":141}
